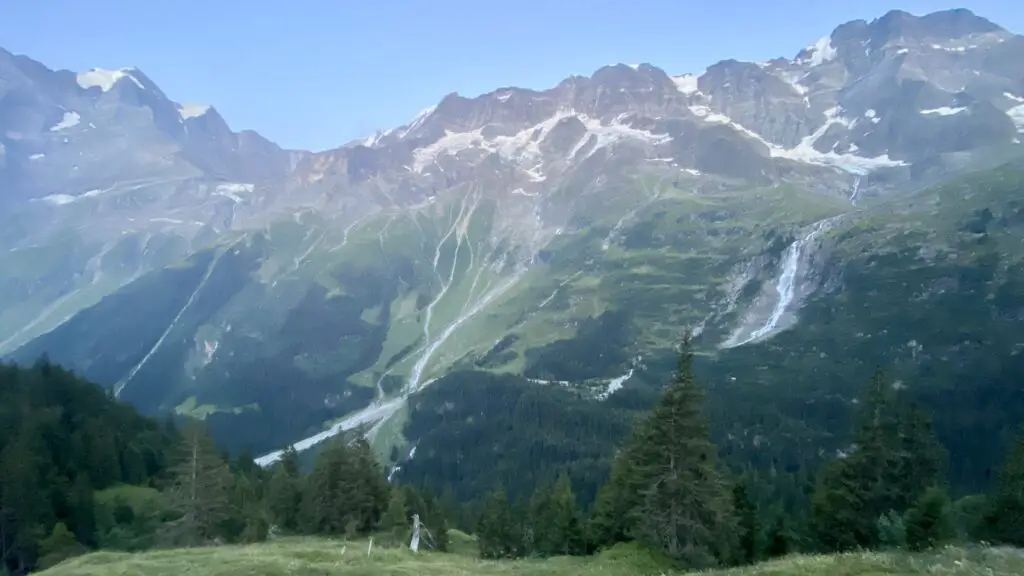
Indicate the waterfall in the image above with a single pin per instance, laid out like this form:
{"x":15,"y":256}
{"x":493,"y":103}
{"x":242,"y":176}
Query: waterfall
{"x":793,"y":259}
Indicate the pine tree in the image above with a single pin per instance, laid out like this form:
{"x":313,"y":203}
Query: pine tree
{"x":676,"y":500}
{"x":433,"y":519}
{"x":780,"y":538}
{"x":494,"y":528}
{"x":610,"y":521}
{"x":200,"y":488}
{"x":24,"y":510}
{"x":1004,"y":522}
{"x":346,"y":493}
{"x":895,"y":458}
{"x":58,"y":546}
{"x":369,"y":490}
{"x":395,"y":521}
{"x":536,"y":533}
{"x":929,"y":523}
{"x":284,"y":496}
{"x":564,"y":534}
{"x":323,"y":510}
{"x":290,"y":461}
{"x":749,"y":527}
{"x":82,"y":511}
{"x":520,"y":542}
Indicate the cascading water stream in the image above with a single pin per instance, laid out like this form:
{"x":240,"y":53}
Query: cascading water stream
{"x":785,"y":286}
{"x":856,"y":191}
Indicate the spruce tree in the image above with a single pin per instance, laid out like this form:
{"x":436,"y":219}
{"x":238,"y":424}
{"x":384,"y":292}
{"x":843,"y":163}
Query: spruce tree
{"x":1004,"y":523}
{"x":780,"y":538}
{"x":284,"y":496}
{"x":368,"y":490}
{"x":24,"y":510}
{"x":201,"y":482}
{"x":82,"y":511}
{"x":749,"y":528}
{"x":495,"y":532}
{"x":290,"y":461}
{"x":894,"y":459}
{"x":610,"y":521}
{"x":433,"y":519}
{"x":678,"y":502}
{"x":59,"y":546}
{"x":394,"y":524}
{"x":346,"y":493}
{"x":929,"y":522}
{"x":561,"y":532}
{"x":521,"y":522}
{"x":323,"y":509}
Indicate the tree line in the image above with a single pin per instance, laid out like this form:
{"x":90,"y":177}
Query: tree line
{"x":80,"y":471}
{"x":668,"y":491}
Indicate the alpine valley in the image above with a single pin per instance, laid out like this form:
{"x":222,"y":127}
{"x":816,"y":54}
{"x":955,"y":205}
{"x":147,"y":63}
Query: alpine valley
{"x":504,"y":278}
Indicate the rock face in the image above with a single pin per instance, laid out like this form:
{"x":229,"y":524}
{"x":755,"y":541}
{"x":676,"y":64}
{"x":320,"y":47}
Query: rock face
{"x":188,"y":266}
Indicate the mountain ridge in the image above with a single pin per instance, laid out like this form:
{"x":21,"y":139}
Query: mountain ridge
{"x":279,"y":292}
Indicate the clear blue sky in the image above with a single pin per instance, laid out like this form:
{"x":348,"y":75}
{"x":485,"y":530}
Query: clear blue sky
{"x":317,"y":73}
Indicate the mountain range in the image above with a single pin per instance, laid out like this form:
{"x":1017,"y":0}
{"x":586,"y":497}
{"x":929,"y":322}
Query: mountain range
{"x":858,"y":204}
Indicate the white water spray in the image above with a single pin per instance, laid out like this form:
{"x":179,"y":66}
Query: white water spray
{"x":785,"y":286}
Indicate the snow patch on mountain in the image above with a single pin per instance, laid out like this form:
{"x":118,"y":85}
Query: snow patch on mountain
{"x":105,"y":79}
{"x":687,"y":83}
{"x":793,"y":79}
{"x":943,"y":111}
{"x":1017,"y":115}
{"x":416,"y":122}
{"x":62,"y":199}
{"x":818,"y":53}
{"x":805,"y":151}
{"x":616,"y":131}
{"x":234,"y":190}
{"x":192,"y":110}
{"x":70,"y":120}
{"x":523,"y":147}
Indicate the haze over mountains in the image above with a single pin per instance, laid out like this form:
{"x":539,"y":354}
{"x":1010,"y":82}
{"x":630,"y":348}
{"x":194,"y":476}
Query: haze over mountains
{"x":566,"y":236}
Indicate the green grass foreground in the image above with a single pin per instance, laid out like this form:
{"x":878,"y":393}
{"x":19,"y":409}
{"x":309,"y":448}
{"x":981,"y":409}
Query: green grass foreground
{"x":313,"y":557}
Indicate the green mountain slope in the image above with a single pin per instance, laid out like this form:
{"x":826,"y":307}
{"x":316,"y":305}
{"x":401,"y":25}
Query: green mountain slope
{"x":273,"y":334}
{"x":929,"y":286}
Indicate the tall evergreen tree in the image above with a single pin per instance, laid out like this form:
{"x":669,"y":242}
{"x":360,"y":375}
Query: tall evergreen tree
{"x":82,"y":511}
{"x":929,"y":522}
{"x":894,"y":459}
{"x":25,"y":513}
{"x":749,"y":527}
{"x":200,"y":488}
{"x":495,"y":531}
{"x":435,"y":522}
{"x":673,"y":496}
{"x":323,"y":509}
{"x":564,"y":534}
{"x":610,"y":521}
{"x":59,"y":546}
{"x":394,"y":524}
{"x":284,"y":497}
{"x":290,"y":461}
{"x":1004,"y":522}
{"x":369,"y":490}
{"x":346,"y":493}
